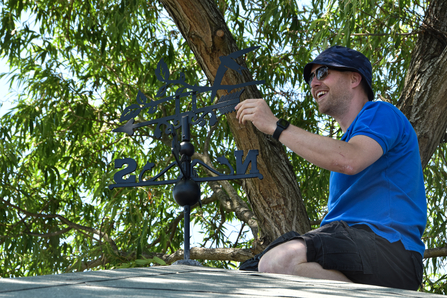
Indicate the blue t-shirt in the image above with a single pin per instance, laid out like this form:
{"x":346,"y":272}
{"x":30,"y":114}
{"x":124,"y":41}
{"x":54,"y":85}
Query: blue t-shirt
{"x":389,"y":195}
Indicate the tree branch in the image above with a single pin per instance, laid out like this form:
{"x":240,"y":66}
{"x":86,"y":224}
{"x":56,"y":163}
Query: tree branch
{"x":67,"y":222}
{"x":196,"y":253}
{"x":229,"y":198}
{"x":216,"y":254}
{"x":239,"y":235}
{"x":435,"y":252}
{"x":231,"y":201}
{"x":57,"y":233}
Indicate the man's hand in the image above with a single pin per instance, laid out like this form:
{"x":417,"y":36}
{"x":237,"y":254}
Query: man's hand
{"x":258,"y":112}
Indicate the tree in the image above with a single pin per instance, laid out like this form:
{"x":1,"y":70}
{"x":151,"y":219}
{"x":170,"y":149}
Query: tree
{"x":81,"y":63}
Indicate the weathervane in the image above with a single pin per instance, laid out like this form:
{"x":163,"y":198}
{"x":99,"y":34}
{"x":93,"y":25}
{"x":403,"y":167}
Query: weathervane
{"x":186,"y":190}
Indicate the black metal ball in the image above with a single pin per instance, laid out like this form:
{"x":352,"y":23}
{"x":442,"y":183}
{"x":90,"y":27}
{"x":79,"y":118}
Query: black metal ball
{"x":186,"y":192}
{"x":186,"y":148}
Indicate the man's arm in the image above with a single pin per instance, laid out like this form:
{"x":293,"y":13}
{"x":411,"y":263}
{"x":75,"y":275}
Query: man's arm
{"x":344,"y":157}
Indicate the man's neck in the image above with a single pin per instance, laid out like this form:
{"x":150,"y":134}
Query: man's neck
{"x":347,"y":118}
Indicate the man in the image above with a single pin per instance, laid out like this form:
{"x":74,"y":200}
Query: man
{"x":377,"y":205}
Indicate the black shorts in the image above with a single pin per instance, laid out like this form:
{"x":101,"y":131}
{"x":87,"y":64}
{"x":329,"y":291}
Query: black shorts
{"x":360,"y":254}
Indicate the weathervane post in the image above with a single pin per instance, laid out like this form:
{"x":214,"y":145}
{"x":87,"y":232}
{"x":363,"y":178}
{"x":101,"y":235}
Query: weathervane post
{"x":186,"y":190}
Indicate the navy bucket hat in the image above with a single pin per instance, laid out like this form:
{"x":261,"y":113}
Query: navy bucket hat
{"x":346,"y":58}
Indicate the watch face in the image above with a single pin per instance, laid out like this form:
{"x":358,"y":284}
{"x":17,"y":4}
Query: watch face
{"x":283,"y":123}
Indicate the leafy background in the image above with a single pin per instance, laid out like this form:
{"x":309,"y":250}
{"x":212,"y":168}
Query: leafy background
{"x":78,"y":65}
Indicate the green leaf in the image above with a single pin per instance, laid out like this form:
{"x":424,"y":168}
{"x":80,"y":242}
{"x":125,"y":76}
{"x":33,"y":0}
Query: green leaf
{"x":159,"y":261}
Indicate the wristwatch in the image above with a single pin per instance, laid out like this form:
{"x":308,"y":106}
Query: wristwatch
{"x":281,"y":124}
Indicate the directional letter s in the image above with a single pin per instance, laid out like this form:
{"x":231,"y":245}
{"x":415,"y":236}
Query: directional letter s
{"x":131,"y":167}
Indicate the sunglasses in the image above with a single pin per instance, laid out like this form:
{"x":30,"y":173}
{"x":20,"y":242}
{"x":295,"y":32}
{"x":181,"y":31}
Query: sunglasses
{"x":321,"y":73}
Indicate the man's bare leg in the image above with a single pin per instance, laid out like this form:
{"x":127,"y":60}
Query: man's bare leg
{"x":291,"y":258}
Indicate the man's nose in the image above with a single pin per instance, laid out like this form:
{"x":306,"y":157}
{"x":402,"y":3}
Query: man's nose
{"x":314,"y":82}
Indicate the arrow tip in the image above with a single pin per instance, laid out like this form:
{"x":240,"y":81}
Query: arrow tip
{"x":127,"y":128}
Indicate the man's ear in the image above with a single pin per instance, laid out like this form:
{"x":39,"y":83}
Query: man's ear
{"x":356,"y":79}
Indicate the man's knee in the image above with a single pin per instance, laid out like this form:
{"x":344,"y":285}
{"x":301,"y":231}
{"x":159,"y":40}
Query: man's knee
{"x":284,"y":257}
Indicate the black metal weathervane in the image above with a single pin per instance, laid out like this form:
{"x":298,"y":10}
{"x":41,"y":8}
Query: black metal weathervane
{"x":186,"y":190}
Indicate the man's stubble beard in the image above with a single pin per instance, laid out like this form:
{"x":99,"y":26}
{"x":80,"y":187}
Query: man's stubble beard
{"x":337,"y":103}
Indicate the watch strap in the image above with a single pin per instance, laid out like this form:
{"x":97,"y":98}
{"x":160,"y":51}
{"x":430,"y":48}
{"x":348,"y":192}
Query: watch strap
{"x":281,"y":125}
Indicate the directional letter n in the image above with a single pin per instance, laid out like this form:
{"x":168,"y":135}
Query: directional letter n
{"x":241,"y":167}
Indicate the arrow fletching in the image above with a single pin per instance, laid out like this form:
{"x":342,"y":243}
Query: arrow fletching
{"x":232,"y":99}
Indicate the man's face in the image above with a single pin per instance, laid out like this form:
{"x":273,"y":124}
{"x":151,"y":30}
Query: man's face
{"x":332,"y":92}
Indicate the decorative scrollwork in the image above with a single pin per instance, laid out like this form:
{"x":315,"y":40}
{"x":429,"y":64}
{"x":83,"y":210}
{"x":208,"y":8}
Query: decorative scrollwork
{"x":225,"y":104}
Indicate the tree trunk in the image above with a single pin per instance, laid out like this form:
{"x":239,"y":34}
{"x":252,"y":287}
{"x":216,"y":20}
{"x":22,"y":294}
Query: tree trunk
{"x":424,"y":99}
{"x":276,"y":200}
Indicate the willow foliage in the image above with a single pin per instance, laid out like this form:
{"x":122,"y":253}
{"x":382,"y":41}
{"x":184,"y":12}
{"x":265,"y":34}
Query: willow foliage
{"x":80,"y":63}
